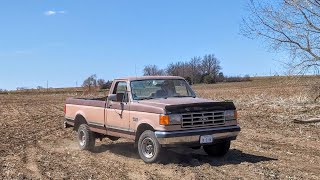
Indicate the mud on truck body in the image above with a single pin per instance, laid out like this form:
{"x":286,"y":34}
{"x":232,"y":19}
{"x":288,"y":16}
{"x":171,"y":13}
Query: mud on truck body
{"x":155,"y":112}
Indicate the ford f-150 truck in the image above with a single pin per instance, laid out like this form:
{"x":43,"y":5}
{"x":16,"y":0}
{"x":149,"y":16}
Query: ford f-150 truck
{"x":155,"y":112}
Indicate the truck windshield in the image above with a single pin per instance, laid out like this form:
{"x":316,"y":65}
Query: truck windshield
{"x":160,"y":88}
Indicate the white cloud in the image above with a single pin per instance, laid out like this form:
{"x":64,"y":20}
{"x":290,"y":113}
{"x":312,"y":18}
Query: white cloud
{"x":51,"y":13}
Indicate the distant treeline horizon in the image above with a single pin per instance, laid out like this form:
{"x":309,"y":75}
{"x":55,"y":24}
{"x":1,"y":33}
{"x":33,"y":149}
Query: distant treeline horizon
{"x":206,"y":69}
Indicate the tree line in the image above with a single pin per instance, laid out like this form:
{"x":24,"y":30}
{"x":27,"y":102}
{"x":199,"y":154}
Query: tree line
{"x":206,"y":69}
{"x":92,"y":83}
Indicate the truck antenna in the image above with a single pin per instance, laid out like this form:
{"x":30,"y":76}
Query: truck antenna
{"x":135,"y":69}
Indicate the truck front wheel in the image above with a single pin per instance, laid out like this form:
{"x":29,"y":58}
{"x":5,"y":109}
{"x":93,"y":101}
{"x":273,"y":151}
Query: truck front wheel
{"x":219,"y":149}
{"x":149,"y":147}
{"x":86,"y":138}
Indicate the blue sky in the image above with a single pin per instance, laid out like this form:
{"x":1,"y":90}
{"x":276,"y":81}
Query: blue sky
{"x":65,"y":41}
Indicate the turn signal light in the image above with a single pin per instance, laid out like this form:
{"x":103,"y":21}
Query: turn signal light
{"x":164,"y":120}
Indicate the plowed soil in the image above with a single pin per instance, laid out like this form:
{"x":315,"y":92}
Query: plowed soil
{"x":34,"y":144}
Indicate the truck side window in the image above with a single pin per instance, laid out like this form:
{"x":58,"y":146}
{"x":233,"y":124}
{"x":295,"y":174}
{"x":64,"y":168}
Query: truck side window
{"x":121,"y":87}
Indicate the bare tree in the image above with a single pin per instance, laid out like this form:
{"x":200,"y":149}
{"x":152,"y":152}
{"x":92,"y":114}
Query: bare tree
{"x":179,"y":69}
{"x":211,"y":66}
{"x":207,"y":64}
{"x":173,"y":69}
{"x":196,"y":69}
{"x":101,"y":83}
{"x":108,"y":84}
{"x":104,"y":84}
{"x":289,"y":25}
{"x":90,"y":82}
{"x":195,"y":66}
{"x":153,"y":70}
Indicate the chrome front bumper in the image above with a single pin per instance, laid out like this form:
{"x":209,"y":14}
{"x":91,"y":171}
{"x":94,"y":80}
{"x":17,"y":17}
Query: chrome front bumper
{"x":192,"y":137}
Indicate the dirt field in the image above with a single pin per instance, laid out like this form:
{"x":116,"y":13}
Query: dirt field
{"x":34,"y":145}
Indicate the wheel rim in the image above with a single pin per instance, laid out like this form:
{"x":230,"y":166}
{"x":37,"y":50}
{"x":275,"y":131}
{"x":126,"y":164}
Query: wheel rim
{"x":82,"y":138}
{"x":147,"y":147}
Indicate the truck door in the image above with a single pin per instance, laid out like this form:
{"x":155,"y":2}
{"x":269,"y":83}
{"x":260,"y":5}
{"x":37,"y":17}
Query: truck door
{"x":118,"y":112}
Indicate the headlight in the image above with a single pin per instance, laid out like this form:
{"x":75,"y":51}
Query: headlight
{"x":175,"y":119}
{"x":230,"y":115}
{"x":171,"y":119}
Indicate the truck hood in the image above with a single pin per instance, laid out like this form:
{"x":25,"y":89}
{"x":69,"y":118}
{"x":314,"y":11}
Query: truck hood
{"x":187,"y":104}
{"x":173,"y":101}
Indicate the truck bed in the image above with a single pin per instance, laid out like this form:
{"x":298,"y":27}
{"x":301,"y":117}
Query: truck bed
{"x":91,"y":109}
{"x":95,"y":102}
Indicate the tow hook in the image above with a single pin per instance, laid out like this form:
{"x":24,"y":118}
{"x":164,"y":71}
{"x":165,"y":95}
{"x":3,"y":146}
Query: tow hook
{"x":65,"y":124}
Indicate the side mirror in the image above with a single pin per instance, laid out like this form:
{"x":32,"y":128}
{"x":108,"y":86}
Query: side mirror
{"x":112,"y":97}
{"x":119,"y":97}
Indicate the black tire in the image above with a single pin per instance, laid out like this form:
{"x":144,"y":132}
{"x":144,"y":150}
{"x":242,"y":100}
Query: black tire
{"x":86,"y":138}
{"x":217,"y":150}
{"x":148,"y":147}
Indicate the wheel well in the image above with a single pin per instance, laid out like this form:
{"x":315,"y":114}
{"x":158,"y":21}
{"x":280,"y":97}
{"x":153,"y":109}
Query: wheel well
{"x":78,"y":121}
{"x":141,"y":128}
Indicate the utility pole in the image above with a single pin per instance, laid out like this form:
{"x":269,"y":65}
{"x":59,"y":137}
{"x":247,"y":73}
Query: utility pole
{"x":270,"y":72}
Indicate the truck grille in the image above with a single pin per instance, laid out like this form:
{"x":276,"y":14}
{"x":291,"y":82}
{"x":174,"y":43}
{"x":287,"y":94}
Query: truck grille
{"x":201,"y":119}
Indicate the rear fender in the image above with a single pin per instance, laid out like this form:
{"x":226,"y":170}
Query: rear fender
{"x":80,"y":118}
{"x":81,"y":113}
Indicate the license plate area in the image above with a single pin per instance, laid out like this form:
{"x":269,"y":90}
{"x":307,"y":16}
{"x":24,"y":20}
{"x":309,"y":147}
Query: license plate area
{"x":206,"y":139}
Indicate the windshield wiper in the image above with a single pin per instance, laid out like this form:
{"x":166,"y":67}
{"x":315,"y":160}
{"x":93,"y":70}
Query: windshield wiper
{"x":180,"y":96}
{"x":145,"y":98}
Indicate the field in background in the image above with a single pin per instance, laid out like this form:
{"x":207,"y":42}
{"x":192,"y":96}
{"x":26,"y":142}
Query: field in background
{"x":77,"y":90}
{"x":33,"y":143}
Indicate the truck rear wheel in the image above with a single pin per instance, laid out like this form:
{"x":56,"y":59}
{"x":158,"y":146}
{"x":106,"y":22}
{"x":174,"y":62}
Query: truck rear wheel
{"x":219,"y":149}
{"x":148,"y":147}
{"x":86,"y":138}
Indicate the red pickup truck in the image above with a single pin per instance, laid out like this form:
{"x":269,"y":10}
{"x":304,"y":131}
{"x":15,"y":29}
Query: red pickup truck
{"x":154,"y":112}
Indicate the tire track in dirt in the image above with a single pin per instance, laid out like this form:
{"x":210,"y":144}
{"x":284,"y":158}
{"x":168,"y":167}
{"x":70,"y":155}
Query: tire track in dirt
{"x":31,"y":163}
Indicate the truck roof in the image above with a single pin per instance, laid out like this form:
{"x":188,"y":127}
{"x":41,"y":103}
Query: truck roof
{"x":133,"y":78}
